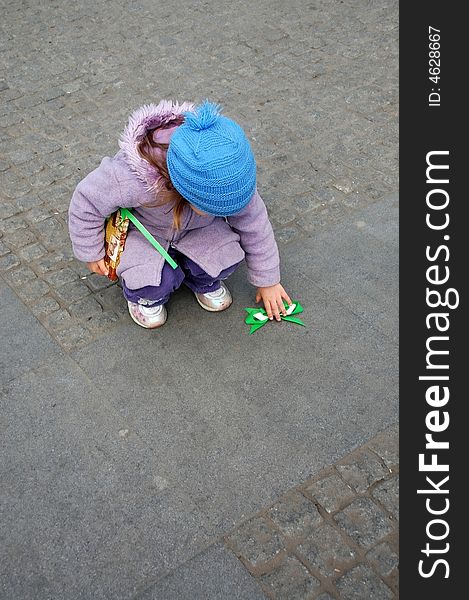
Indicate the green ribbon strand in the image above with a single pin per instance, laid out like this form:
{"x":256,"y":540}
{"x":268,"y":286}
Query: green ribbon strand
{"x":257,"y":317}
{"x":126,"y":214}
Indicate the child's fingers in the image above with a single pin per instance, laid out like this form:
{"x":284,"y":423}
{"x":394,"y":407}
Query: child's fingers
{"x":258,"y":297}
{"x":281,"y":307}
{"x":103,"y":270}
{"x":287,"y":298}
{"x":275,"y":310}
{"x":268,"y":309}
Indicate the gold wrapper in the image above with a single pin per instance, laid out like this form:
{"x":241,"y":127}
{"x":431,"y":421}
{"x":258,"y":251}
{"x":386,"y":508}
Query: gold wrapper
{"x":114,"y":244}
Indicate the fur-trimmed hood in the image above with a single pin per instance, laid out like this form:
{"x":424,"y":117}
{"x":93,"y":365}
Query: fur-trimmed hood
{"x":149,"y":116}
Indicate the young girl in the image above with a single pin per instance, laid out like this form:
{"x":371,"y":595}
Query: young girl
{"x":190,"y":176}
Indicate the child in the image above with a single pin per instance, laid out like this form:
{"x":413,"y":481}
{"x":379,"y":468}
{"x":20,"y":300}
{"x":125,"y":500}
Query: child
{"x":190,"y":175}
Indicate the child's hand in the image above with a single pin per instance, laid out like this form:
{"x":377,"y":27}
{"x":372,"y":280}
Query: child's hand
{"x":273,"y":297}
{"x":98,"y":266}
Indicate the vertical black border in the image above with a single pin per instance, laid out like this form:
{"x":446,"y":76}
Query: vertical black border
{"x":425,"y":128}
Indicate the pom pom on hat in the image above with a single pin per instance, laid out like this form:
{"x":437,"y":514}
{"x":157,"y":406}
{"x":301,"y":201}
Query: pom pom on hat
{"x":205,"y":115}
{"x":210,"y":162}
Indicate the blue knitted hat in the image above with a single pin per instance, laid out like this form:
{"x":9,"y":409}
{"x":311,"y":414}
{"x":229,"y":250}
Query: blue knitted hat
{"x":210,"y":162}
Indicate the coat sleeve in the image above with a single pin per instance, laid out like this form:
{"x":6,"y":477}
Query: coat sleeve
{"x":96,"y":197}
{"x":258,"y":242}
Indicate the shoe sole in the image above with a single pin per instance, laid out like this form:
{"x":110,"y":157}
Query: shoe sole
{"x":146,"y":326}
{"x":205,"y":307}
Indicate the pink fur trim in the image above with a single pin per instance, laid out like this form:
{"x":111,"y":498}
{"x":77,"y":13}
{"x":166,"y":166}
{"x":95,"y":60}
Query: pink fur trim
{"x":149,"y":116}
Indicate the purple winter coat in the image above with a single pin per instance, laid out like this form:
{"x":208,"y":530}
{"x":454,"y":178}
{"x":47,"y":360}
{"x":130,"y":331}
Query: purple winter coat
{"x":127,"y":180}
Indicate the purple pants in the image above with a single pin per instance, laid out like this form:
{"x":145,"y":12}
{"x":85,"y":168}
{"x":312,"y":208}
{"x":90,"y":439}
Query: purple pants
{"x":188,"y":272}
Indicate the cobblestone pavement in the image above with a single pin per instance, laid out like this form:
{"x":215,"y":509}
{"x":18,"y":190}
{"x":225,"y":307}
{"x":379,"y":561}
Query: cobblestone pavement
{"x":315,"y":85}
{"x":335,"y":535}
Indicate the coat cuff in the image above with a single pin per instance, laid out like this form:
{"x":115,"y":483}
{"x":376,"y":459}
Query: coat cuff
{"x":264,"y":278}
{"x":89,"y":256}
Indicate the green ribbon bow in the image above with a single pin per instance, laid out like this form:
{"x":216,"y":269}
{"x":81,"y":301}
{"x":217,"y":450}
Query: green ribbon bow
{"x":257,"y":317}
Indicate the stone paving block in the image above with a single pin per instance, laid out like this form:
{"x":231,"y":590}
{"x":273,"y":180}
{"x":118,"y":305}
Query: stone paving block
{"x":32,"y":252}
{"x":20,"y":238}
{"x":37,"y":214}
{"x":112,"y":298}
{"x":102,"y":321}
{"x":364,"y":522}
{"x":32,"y":290}
{"x":27,"y":202}
{"x":315,"y":220}
{"x":327,"y":551}
{"x":12,"y":224}
{"x":9,"y":261}
{"x":52,"y":232}
{"x":43,"y":179}
{"x":23,"y":152}
{"x":361,"y":582}
{"x":58,"y":196}
{"x":72,"y":292}
{"x":9,"y":209}
{"x":3,"y":249}
{"x":20,"y":276}
{"x":356,"y":200}
{"x":52,"y":93}
{"x":362,"y":470}
{"x":73,"y":337}
{"x":286,"y":234}
{"x":61,"y":277}
{"x":10,"y":94}
{"x":331,"y":492}
{"x":333,"y":194}
{"x":30,"y":169}
{"x":85,"y":308}
{"x":28,"y":101}
{"x":282,"y":216}
{"x":295,"y":515}
{"x":52,"y":261}
{"x":256,"y":542}
{"x":387,"y":493}
{"x":9,"y":120}
{"x":290,"y":581}
{"x":98,"y":282}
{"x":57,"y":320}
{"x":44,"y":306}
{"x":385,"y":559}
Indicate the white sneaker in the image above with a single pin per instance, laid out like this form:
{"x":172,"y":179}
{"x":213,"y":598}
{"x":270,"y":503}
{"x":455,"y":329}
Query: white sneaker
{"x":215,"y":301}
{"x":149,"y":317}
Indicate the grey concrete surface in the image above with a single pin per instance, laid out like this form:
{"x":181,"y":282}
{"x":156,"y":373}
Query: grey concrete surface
{"x":139,"y":464}
{"x":87,"y":510}
{"x":25,"y":343}
{"x":214,"y":574}
{"x":244,"y":416}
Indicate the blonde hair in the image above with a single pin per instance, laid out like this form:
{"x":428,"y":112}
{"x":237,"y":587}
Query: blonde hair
{"x":166,"y":192}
